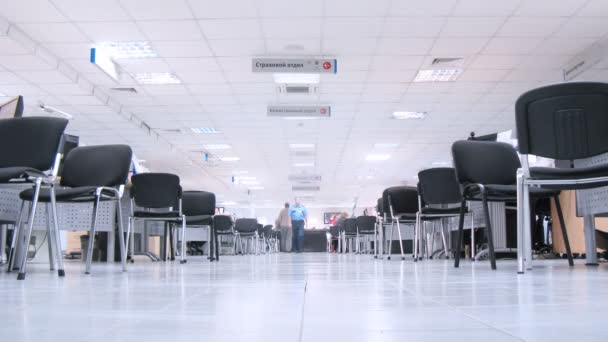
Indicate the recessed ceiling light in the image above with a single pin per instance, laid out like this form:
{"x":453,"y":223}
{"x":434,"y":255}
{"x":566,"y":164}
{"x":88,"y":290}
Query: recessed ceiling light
{"x":118,"y":50}
{"x":437,"y":75}
{"x":377,"y":157}
{"x":217,"y":146}
{"x":296,"y":78}
{"x":294,"y":146}
{"x":230,"y":159}
{"x":304,"y":164}
{"x":156,"y":78}
{"x":409,"y":115}
{"x":204,"y":130}
{"x":386,"y":145}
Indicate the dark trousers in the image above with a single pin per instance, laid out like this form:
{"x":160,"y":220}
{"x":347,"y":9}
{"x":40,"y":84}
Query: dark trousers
{"x":297,"y":227}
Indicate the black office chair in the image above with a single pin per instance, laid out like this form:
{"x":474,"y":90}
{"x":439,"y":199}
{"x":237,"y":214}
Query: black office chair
{"x":199,"y":208}
{"x":90,"y":174}
{"x":402,"y":204}
{"x":270,"y":239}
{"x":246,"y":228}
{"x":566,"y":121}
{"x":334,"y":234}
{"x":486,"y":172}
{"x":222,"y":226}
{"x":28,"y":147}
{"x":381,"y":215}
{"x":366,"y":227}
{"x":349,"y":234}
{"x":438,"y":191}
{"x":160,"y":197}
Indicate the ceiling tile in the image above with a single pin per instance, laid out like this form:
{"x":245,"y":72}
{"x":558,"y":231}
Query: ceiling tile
{"x":282,"y":9}
{"x":595,"y":8}
{"x":458,"y":46}
{"x":404,"y":46}
{"x":9,"y":46}
{"x":470,"y":8}
{"x":292,"y":46}
{"x":157,"y":9}
{"x":583,"y":27}
{"x":530,"y":27}
{"x":77,"y":10}
{"x":430,"y":8}
{"x":187,"y":64}
{"x":30,"y":11}
{"x":292,"y":28}
{"x":350,"y":8}
{"x":357,"y":47}
{"x":24,"y":62}
{"x":412,"y":27}
{"x":471,"y":26}
{"x":231,"y":29}
{"x":212,"y":9}
{"x":562,"y":8}
{"x":54,"y":32}
{"x":495,"y":61}
{"x":70,"y":50}
{"x":111,"y":31}
{"x":482,"y":75}
{"x":511,"y":46}
{"x":10,"y":78}
{"x":237,"y":47}
{"x":565,"y":46}
{"x":182,"y":48}
{"x":44,"y":76}
{"x":170,"y":30}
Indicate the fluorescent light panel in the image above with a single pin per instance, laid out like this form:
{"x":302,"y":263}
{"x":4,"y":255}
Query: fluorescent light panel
{"x":296,"y":78}
{"x":296,"y":146}
{"x":217,"y":146}
{"x":409,"y":115}
{"x":156,"y":78}
{"x":304,"y":164}
{"x":230,"y":159}
{"x":377,"y":157}
{"x":204,"y":130}
{"x":118,"y":50}
{"x":437,"y":75}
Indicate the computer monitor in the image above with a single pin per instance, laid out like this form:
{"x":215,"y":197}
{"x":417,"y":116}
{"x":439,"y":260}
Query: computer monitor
{"x":12,"y":109}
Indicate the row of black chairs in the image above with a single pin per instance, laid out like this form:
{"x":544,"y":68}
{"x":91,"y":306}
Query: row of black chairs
{"x":31,"y":152}
{"x":258,"y":238}
{"x":564,"y":122}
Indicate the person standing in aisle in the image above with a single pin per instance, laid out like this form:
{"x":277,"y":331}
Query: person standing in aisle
{"x":283,"y":224}
{"x":299,"y":219}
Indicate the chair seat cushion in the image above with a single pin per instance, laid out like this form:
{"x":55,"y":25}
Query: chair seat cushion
{"x":17,"y":172}
{"x":77,"y":194}
{"x":570,"y":174}
{"x":442,"y":211}
{"x":503,"y":193}
{"x":162,"y":214}
{"x":199,"y":220}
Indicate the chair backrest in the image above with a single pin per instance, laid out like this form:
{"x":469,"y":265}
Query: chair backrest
{"x":100,"y":165}
{"x":260,"y":229}
{"x":268,"y":230}
{"x":350,"y":225}
{"x":334,"y":231}
{"x":366,"y":223}
{"x":246,"y":225}
{"x":198,"y":203}
{"x":403,"y":199}
{"x":485,"y":162}
{"x":222,"y":223}
{"x":30,"y":141}
{"x":156,"y":190}
{"x":439,"y":186}
{"x":380,"y":207}
{"x":563,"y":121}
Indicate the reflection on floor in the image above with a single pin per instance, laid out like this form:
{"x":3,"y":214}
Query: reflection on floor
{"x":307,"y":297}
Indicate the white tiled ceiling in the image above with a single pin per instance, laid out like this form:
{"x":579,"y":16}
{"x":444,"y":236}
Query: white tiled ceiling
{"x":508,"y":46}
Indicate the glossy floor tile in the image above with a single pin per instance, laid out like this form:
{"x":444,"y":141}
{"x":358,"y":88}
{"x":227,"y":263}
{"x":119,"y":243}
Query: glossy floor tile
{"x":307,"y":297}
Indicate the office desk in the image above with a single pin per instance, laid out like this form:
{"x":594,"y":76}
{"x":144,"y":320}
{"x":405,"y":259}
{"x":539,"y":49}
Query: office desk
{"x":315,"y":240}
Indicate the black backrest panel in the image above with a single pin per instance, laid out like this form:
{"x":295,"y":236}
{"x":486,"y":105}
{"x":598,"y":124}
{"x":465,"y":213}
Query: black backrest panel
{"x":222,"y":223}
{"x":100,"y":165}
{"x":350,"y":225}
{"x":563,"y":121}
{"x":30,"y":141}
{"x":404,"y":200}
{"x":439,"y":186}
{"x":196,"y":203}
{"x":156,"y":190}
{"x":485,"y":162}
{"x":380,"y":207}
{"x":246,"y":225}
{"x":366,"y":223}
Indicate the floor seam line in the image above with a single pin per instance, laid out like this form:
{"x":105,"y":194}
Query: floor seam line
{"x":301,"y":332}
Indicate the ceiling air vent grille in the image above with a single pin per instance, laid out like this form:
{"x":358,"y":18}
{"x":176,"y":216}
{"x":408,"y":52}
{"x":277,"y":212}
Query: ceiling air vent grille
{"x":125,"y":90}
{"x":447,"y":62}
{"x":305,"y":188}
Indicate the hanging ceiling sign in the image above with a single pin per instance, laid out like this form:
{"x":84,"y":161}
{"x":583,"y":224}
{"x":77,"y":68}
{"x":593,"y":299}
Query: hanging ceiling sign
{"x":292,"y":65}
{"x":299,"y":111}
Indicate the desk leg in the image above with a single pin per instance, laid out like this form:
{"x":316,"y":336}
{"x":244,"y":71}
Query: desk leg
{"x":110,"y":247}
{"x":590,"y":244}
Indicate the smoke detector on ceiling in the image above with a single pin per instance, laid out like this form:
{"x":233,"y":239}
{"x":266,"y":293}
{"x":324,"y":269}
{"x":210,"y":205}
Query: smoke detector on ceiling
{"x":297,"y":89}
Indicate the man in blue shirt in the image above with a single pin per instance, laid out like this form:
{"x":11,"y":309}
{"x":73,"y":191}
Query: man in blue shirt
{"x":299,"y":219}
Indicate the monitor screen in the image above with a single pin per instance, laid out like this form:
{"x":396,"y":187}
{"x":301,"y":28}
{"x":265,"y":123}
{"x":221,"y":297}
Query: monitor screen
{"x":13,"y":108}
{"x":330,"y":218}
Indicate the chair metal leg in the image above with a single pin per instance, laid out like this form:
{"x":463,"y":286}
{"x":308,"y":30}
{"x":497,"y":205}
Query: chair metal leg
{"x":472,"y":236}
{"x":486,"y":211}
{"x":16,"y":231}
{"x":460,"y":234}
{"x":28,"y":233}
{"x":390,"y":241}
{"x":400,"y":241}
{"x":50,"y":240}
{"x":183,"y":251}
{"x":520,"y":222}
{"x":562,"y":224}
{"x":416,"y":240}
{"x":92,"y":235}
{"x":129,"y":241}
{"x":527,"y":233}
{"x":58,"y":247}
{"x":443,"y":239}
{"x":172,"y":245}
{"x":121,"y":237}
